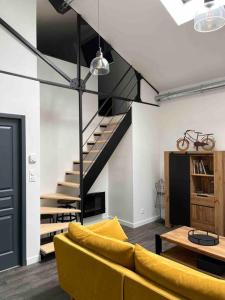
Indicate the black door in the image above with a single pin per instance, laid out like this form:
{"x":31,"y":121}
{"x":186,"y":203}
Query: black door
{"x":10,"y":200}
{"x":179,"y":189}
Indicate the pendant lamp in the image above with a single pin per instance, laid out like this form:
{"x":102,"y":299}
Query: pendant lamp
{"x":210,"y":17}
{"x":99,"y":65}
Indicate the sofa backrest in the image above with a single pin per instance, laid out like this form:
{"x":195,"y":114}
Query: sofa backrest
{"x":178,"y":278}
{"x":86,"y":275}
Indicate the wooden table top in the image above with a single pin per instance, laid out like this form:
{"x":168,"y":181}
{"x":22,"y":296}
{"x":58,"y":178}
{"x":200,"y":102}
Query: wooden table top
{"x":180,"y":237}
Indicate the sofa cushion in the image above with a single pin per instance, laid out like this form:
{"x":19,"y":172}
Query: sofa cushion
{"x":177,"y":277}
{"x":117,"y":251}
{"x":110,"y":228}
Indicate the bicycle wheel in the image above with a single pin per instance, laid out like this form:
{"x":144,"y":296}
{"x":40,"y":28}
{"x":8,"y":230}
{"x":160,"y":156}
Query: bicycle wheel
{"x":210,"y":144}
{"x":182,"y":144}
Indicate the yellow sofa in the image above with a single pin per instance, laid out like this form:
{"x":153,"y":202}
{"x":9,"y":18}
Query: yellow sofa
{"x":85,"y":275}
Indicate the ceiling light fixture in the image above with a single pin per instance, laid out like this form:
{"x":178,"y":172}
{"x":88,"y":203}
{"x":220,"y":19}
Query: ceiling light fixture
{"x":99,"y":65}
{"x":210,"y":17}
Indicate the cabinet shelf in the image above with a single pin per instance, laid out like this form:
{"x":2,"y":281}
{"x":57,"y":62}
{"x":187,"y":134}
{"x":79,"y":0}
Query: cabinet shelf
{"x":202,"y":175}
{"x":203,"y":195}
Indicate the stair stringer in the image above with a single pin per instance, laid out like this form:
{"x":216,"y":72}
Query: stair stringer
{"x":107,"y":151}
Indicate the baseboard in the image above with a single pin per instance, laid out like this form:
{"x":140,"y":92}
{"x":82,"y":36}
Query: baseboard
{"x":146,"y":221}
{"x":33,"y":260}
{"x":137,"y":224}
{"x":126,"y":223}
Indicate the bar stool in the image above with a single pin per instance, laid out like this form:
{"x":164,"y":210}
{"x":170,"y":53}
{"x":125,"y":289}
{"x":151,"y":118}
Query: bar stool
{"x":70,"y":217}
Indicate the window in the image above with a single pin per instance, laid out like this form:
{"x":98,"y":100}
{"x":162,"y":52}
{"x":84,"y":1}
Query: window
{"x":183,"y":11}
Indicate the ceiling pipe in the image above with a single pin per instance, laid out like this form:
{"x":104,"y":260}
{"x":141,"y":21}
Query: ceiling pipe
{"x":197,"y":89}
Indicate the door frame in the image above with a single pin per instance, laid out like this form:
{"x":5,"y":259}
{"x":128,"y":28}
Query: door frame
{"x":22,"y":182}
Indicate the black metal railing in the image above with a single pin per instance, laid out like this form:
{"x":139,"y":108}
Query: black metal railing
{"x":107,"y":99}
{"x":104,"y":117}
{"x":118,"y":121}
{"x":105,"y":102}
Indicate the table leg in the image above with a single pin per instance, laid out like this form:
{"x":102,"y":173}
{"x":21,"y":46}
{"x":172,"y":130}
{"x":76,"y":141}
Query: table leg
{"x":158,"y":244}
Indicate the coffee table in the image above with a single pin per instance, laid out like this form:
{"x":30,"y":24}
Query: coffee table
{"x":186,"y":252}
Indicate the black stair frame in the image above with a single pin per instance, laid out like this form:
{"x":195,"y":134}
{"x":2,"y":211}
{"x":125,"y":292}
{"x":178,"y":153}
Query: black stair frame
{"x":78,"y":85}
{"x":106,"y":152}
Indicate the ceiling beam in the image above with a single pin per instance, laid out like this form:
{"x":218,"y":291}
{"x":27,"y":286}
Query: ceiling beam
{"x":30,"y":47}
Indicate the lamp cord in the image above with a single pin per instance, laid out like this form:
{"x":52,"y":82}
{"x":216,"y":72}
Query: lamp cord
{"x":99,"y":39}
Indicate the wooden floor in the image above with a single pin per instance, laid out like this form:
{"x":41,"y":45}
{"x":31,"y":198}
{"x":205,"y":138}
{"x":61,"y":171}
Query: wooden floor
{"x":40,"y":282}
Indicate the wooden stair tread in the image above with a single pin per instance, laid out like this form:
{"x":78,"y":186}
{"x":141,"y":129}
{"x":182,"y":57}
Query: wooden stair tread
{"x":52,"y":227}
{"x":94,"y":151}
{"x":91,"y":143}
{"x":91,"y":151}
{"x":69,"y":184}
{"x":84,"y":161}
{"x":74,"y":172}
{"x":103,"y":132}
{"x":47,"y":248}
{"x":101,"y":141}
{"x":58,"y":196}
{"x":58,"y":210}
{"x":107,"y":131}
{"x":109,"y":124}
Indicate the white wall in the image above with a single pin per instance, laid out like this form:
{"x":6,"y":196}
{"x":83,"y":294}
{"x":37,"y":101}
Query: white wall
{"x":204,"y":112}
{"x":145,"y":157}
{"x":121,"y":181}
{"x":134,"y":166}
{"x":20,"y":96}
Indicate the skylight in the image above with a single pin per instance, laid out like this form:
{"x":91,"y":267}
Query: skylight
{"x":183,"y":11}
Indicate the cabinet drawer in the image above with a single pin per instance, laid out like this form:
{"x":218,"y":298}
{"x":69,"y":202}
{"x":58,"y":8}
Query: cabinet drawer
{"x":203,"y":217}
{"x":204,"y":227}
{"x":203,"y":201}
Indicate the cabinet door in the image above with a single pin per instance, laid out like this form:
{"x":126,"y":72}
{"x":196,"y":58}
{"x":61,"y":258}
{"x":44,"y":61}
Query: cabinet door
{"x":203,"y":217}
{"x":179,"y":189}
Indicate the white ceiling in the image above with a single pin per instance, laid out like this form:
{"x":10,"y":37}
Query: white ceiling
{"x":143,"y":32}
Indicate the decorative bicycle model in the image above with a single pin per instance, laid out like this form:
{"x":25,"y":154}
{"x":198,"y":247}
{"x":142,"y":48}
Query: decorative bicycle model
{"x":205,"y":141}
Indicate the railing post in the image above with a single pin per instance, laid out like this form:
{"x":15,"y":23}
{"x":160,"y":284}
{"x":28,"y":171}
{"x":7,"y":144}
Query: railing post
{"x":138,"y":76}
{"x":80,"y":116}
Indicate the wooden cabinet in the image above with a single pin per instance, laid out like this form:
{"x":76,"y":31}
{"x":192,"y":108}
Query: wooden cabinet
{"x":196,"y":199}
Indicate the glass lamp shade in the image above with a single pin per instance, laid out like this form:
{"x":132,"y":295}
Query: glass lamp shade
{"x":99,"y":65}
{"x":210,"y":17}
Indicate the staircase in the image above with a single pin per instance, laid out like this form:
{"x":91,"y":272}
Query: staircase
{"x":66,"y":203}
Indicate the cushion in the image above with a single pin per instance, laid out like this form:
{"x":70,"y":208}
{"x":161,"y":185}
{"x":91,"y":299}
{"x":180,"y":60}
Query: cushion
{"x":110,"y":228}
{"x":177,"y":277}
{"x":97,"y":225}
{"x":117,"y":251}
